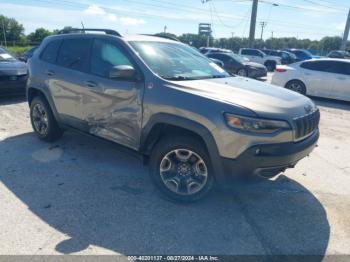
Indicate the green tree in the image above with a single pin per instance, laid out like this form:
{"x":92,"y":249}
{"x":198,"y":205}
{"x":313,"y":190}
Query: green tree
{"x":13,"y":30}
{"x":329,"y":43}
{"x":38,"y":35}
{"x":170,"y":35}
{"x":195,"y":40}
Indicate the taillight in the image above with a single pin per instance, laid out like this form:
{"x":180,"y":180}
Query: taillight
{"x":280,"y":70}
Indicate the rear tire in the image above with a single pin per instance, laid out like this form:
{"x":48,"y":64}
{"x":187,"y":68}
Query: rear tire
{"x":181,"y":168}
{"x":296,"y":86}
{"x":43,"y":120}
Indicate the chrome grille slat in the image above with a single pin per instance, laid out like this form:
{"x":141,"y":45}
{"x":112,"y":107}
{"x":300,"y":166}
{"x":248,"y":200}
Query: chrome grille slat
{"x":306,"y":124}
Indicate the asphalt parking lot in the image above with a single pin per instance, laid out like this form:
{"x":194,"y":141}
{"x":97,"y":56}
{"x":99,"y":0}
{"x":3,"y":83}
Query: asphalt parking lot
{"x":85,"y":196}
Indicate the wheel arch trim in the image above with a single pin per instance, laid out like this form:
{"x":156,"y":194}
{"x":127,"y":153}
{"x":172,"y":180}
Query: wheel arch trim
{"x":48,"y":98}
{"x":186,"y":124}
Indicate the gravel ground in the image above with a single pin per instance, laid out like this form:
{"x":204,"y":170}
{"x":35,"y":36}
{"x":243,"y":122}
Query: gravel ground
{"x":85,"y":196}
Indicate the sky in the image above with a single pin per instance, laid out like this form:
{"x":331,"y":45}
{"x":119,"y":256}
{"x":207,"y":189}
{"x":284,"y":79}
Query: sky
{"x":311,"y":19}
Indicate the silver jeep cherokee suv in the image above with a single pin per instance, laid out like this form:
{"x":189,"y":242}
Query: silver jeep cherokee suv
{"x":192,"y":121}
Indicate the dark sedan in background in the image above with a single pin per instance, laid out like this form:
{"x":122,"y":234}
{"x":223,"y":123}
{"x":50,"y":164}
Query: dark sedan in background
{"x":339,"y":54}
{"x":13,"y":74}
{"x":235,"y":64}
{"x":302,"y":54}
{"x":286,"y":57}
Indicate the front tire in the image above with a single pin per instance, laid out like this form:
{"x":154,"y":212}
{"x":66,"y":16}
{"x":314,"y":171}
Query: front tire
{"x":181,"y":169}
{"x":242,"y":72}
{"x":43,"y":120}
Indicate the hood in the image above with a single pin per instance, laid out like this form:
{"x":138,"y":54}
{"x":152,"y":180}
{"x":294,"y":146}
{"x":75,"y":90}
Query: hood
{"x":13,"y":68}
{"x":253,"y":64}
{"x":264,"y":99}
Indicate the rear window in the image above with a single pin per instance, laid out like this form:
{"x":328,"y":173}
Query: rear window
{"x":74,"y":54}
{"x":50,"y":52}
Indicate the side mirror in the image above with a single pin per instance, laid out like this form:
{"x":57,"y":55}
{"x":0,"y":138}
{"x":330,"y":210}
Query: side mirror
{"x":22,"y":59}
{"x":122,"y":72}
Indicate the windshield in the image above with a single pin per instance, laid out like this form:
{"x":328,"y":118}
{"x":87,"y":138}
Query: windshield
{"x":238,"y":58}
{"x":175,"y":61}
{"x":306,"y":52}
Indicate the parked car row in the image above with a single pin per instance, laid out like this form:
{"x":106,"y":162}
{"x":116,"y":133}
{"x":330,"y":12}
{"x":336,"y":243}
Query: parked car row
{"x":267,"y":57}
{"x":233,"y":63}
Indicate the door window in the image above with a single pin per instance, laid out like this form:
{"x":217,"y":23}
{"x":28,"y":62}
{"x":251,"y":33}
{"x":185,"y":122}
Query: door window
{"x":246,"y":52}
{"x":74,"y":54}
{"x":250,"y":52}
{"x":223,"y":58}
{"x":343,"y":68}
{"x":323,"y":66}
{"x":50,"y":52}
{"x":105,"y":55}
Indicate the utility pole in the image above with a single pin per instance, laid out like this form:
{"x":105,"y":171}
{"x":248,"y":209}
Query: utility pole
{"x":165,"y":29}
{"x":346,"y":33}
{"x":262,"y":24}
{"x":271,"y":34}
{"x":3,"y":31}
{"x":253,"y":22}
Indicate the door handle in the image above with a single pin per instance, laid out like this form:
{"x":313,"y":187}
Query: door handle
{"x":90,"y":83}
{"x":50,"y":72}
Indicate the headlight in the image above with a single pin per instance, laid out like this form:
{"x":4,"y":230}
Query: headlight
{"x":255,"y":124}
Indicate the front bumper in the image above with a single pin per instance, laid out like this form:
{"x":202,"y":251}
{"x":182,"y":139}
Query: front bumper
{"x":13,"y":86}
{"x":257,"y":72}
{"x":269,"y":159}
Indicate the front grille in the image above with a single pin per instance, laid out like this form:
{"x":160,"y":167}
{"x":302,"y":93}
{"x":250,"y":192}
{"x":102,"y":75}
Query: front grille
{"x":305,"y":125}
{"x":13,"y":78}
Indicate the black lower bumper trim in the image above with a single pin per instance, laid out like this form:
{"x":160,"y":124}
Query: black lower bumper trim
{"x":269,"y":159}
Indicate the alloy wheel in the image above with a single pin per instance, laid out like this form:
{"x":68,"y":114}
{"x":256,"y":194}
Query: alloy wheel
{"x":241,"y":72}
{"x":183,"y":171}
{"x":296,"y":87}
{"x":40,"y":119}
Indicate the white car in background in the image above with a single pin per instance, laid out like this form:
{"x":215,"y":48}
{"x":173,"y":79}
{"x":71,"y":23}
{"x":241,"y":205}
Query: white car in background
{"x":258,"y":56}
{"x":325,"y":77}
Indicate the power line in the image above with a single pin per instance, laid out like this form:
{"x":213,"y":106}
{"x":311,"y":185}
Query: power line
{"x":299,"y":7}
{"x":230,"y":26}
{"x":322,"y":5}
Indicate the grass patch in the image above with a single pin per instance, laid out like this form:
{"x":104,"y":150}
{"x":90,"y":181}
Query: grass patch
{"x":18,"y":50}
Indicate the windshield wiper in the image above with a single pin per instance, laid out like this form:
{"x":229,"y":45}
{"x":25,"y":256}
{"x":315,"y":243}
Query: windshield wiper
{"x":219,"y":76}
{"x":177,"y":78}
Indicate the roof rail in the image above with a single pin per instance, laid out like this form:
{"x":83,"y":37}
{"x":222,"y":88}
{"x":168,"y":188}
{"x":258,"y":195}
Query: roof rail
{"x":164,"y":36}
{"x":84,"y":30}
